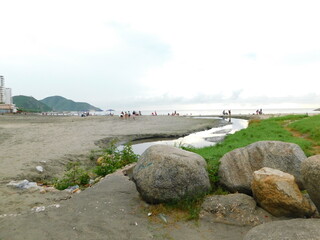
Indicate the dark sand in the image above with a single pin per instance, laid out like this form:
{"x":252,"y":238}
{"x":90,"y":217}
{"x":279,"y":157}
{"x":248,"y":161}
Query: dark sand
{"x":110,"y":209}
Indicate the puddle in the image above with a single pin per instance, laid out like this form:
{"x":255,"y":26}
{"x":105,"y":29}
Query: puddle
{"x":199,"y":139}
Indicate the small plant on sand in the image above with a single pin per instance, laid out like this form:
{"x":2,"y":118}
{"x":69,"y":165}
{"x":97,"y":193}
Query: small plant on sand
{"x":184,"y":209}
{"x":113,"y":159}
{"x":75,"y":175}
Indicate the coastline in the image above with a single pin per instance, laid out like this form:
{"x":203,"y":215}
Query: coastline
{"x":110,"y":209}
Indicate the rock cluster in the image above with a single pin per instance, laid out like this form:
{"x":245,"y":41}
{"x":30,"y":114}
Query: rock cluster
{"x":165,"y":174}
{"x":273,"y":172}
{"x":237,"y":167}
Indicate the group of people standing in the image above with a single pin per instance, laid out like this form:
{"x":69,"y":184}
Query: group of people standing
{"x":259,"y":112}
{"x":128,"y":114}
{"x":225,"y":112}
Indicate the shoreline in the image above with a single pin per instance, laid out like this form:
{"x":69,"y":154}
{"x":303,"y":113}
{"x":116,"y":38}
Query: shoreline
{"x":112,"y":207}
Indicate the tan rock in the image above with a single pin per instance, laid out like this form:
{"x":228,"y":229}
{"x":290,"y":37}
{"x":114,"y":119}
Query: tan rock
{"x":278,"y":193}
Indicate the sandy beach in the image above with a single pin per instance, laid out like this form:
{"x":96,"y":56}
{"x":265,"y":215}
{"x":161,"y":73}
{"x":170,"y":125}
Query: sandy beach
{"x":111,"y":209}
{"x":28,"y":141}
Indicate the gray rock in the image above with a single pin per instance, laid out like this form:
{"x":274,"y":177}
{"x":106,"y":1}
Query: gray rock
{"x":164,"y":174}
{"x":235,"y":209}
{"x":295,"y":229}
{"x":237,"y":167}
{"x":310,"y":170}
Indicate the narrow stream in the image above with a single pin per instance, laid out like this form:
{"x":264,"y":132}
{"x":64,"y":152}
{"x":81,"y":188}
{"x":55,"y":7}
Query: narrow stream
{"x":199,"y":139}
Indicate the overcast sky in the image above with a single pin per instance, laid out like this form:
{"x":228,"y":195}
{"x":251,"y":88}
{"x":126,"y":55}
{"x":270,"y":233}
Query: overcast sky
{"x":166,"y":54}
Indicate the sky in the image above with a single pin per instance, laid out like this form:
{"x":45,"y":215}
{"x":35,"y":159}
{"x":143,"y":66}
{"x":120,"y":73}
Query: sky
{"x":164,"y":54}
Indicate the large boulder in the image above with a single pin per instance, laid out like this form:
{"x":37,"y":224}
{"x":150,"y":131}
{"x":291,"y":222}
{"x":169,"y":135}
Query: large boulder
{"x":310,"y":170}
{"x":277,"y":192}
{"x":237,"y":167}
{"x":295,"y":229}
{"x":234,"y":209}
{"x":164,"y":174}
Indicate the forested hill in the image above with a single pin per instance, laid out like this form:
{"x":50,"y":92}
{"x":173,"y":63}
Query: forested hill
{"x":30,"y":104}
{"x":58,"y":103}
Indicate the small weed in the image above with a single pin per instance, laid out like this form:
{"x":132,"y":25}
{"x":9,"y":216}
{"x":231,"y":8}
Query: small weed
{"x":114,"y":159}
{"x":111,"y":160}
{"x":75,"y":175}
{"x":183,"y":210}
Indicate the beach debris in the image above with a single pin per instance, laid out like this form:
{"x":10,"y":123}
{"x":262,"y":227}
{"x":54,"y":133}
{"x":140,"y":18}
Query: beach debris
{"x":10,"y":215}
{"x":43,"y":191}
{"x":149,"y":214}
{"x":39,"y":169}
{"x":98,"y":179}
{"x":163,"y":217}
{"x":73,"y":189}
{"x":24,"y":184}
{"x":38,"y":209}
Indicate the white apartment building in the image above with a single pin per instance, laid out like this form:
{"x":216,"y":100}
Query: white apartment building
{"x":6,"y":102}
{"x":2,"y":90}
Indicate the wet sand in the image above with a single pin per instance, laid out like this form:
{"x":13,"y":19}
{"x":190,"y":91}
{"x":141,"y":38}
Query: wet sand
{"x":111,"y":209}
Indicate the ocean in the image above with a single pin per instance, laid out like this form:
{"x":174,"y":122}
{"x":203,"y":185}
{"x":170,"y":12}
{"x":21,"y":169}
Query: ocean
{"x":206,"y":112}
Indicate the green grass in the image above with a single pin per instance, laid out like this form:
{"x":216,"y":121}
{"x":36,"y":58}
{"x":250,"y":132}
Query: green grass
{"x":258,"y":130}
{"x":309,"y":126}
{"x":111,"y":159}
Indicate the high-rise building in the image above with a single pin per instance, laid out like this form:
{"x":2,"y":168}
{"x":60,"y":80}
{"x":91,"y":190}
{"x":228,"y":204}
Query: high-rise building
{"x":6,"y":102}
{"x":8,"y":96}
{"x":2,"y":90}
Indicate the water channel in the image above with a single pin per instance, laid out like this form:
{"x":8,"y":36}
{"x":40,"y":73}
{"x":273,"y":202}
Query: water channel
{"x":199,"y":139}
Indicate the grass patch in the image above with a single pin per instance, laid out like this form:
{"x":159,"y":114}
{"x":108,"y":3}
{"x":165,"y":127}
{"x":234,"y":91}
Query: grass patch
{"x":109,"y":160}
{"x":258,"y":130}
{"x":74,"y":175}
{"x":309,"y":126}
{"x":183,"y":210}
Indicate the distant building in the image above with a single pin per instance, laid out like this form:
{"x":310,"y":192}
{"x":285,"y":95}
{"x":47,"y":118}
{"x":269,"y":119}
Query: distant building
{"x":6,"y":102}
{"x":2,"y":90}
{"x":8,"y":96}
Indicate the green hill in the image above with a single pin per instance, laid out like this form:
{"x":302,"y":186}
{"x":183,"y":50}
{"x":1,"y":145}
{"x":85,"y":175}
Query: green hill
{"x":58,"y":103}
{"x":30,"y":104}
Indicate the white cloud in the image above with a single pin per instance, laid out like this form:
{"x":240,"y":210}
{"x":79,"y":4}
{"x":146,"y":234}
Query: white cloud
{"x":171,"y":52}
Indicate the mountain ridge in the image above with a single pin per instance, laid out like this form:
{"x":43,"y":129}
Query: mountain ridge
{"x":53,"y":103}
{"x":30,"y":104}
{"x":59,"y":103}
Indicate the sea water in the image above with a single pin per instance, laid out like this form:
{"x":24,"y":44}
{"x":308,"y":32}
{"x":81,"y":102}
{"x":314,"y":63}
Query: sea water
{"x":206,"y":112}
